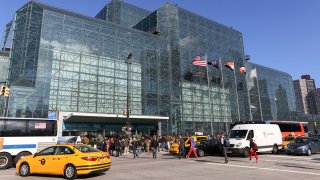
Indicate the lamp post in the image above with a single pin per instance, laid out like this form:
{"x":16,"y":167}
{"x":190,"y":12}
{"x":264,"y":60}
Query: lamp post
{"x":128,"y":124}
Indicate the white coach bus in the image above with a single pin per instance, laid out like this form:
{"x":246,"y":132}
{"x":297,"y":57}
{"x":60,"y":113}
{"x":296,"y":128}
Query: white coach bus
{"x":24,"y":136}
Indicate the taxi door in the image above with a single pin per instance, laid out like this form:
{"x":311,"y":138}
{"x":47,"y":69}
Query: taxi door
{"x":64,"y":155}
{"x":42,"y":161}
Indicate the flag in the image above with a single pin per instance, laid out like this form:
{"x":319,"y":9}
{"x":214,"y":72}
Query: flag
{"x":243,"y":70}
{"x":197,"y":61}
{"x":214,"y":63}
{"x":253,"y":73}
{"x":230,"y":65}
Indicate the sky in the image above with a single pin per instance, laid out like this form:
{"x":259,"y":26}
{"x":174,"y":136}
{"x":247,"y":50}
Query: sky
{"x":280,"y":34}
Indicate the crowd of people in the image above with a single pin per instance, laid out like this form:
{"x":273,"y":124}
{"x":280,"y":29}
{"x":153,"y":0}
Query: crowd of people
{"x":117,"y":146}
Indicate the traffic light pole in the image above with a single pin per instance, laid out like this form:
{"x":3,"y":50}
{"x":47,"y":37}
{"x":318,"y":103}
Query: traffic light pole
{"x":128,"y":94}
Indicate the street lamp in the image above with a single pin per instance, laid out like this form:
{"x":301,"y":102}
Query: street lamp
{"x":128,"y":124}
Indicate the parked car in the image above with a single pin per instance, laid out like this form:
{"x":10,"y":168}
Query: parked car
{"x":66,"y":160}
{"x":209,"y":147}
{"x":304,"y":145}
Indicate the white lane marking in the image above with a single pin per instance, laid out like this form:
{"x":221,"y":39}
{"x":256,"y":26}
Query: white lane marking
{"x":269,"y":169}
{"x":286,"y":157}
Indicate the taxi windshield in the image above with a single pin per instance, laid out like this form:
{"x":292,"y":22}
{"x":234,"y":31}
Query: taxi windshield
{"x":86,"y":149}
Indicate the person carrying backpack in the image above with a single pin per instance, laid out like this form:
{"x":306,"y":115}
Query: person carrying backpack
{"x":225,"y":144}
{"x":253,"y":150}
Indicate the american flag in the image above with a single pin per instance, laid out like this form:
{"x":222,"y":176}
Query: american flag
{"x":197,"y":61}
{"x":40,"y":125}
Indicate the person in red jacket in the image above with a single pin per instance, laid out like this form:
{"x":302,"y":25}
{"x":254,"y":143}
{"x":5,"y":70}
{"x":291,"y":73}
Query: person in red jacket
{"x":192,"y":148}
{"x":253,"y":150}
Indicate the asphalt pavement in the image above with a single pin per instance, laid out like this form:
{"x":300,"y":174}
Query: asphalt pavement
{"x":167,"y":166}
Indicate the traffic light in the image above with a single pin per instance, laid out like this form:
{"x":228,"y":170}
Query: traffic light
{"x":124,"y":112}
{"x":5,"y":91}
{"x":130,"y":111}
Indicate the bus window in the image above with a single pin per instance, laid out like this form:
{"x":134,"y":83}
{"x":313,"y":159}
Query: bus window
{"x":37,"y":128}
{"x":290,"y":127}
{"x":305,"y":127}
{"x":1,"y":128}
{"x":15,"y":128}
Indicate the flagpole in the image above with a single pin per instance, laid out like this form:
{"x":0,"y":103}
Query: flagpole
{"x":209,"y":94}
{"x":236,"y":87}
{"x":223,"y":93}
{"x":249,"y":98}
{"x":259,"y":96}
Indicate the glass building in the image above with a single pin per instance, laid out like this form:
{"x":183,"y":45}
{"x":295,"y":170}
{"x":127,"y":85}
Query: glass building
{"x":196,"y":104}
{"x":271,"y":92}
{"x":122,"y":13}
{"x":63,"y":61}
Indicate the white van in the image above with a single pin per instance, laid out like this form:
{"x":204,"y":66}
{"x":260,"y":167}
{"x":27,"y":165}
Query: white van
{"x":267,"y":137}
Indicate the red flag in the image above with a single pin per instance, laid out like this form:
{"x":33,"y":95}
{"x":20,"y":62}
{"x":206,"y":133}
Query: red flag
{"x":230,"y":65}
{"x":197,"y":61}
{"x":243,"y":70}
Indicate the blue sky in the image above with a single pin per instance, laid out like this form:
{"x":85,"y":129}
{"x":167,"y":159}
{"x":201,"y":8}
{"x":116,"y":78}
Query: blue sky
{"x":281,"y":34}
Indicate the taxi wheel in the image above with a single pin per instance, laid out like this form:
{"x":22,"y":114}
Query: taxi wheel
{"x":24,"y":169}
{"x":70,"y":172}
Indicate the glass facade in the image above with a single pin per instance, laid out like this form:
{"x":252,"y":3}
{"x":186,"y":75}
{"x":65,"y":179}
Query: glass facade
{"x":122,"y":13}
{"x":80,"y":66}
{"x":65,"y":61}
{"x":275,"y":88}
{"x":195,"y":105}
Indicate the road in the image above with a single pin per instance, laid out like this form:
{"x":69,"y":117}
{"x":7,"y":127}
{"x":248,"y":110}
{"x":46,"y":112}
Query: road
{"x":210,"y":167}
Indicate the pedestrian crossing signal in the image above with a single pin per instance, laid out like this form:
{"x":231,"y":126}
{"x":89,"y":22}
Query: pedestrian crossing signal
{"x":5,"y":91}
{"x":124,"y":112}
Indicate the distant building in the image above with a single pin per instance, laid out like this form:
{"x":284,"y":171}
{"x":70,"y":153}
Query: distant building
{"x":318,"y":100}
{"x":4,"y":64}
{"x":305,"y":91}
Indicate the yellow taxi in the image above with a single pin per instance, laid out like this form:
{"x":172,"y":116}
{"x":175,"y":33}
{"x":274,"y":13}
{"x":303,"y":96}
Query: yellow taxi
{"x":287,"y":140}
{"x":68,"y":160}
{"x":174,"y":148}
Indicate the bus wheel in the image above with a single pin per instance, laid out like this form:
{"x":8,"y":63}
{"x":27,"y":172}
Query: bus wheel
{"x":19,"y":156}
{"x":275,"y":149}
{"x":5,"y":161}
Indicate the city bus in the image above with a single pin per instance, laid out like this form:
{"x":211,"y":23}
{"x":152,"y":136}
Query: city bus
{"x":292,"y":128}
{"x":24,"y":136}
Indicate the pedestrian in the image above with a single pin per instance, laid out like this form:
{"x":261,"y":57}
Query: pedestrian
{"x":253,"y":150}
{"x":181,"y":147}
{"x":118,"y":147}
{"x":154,"y":145}
{"x":135,"y":145}
{"x":225,"y":144}
{"x":192,"y":148}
